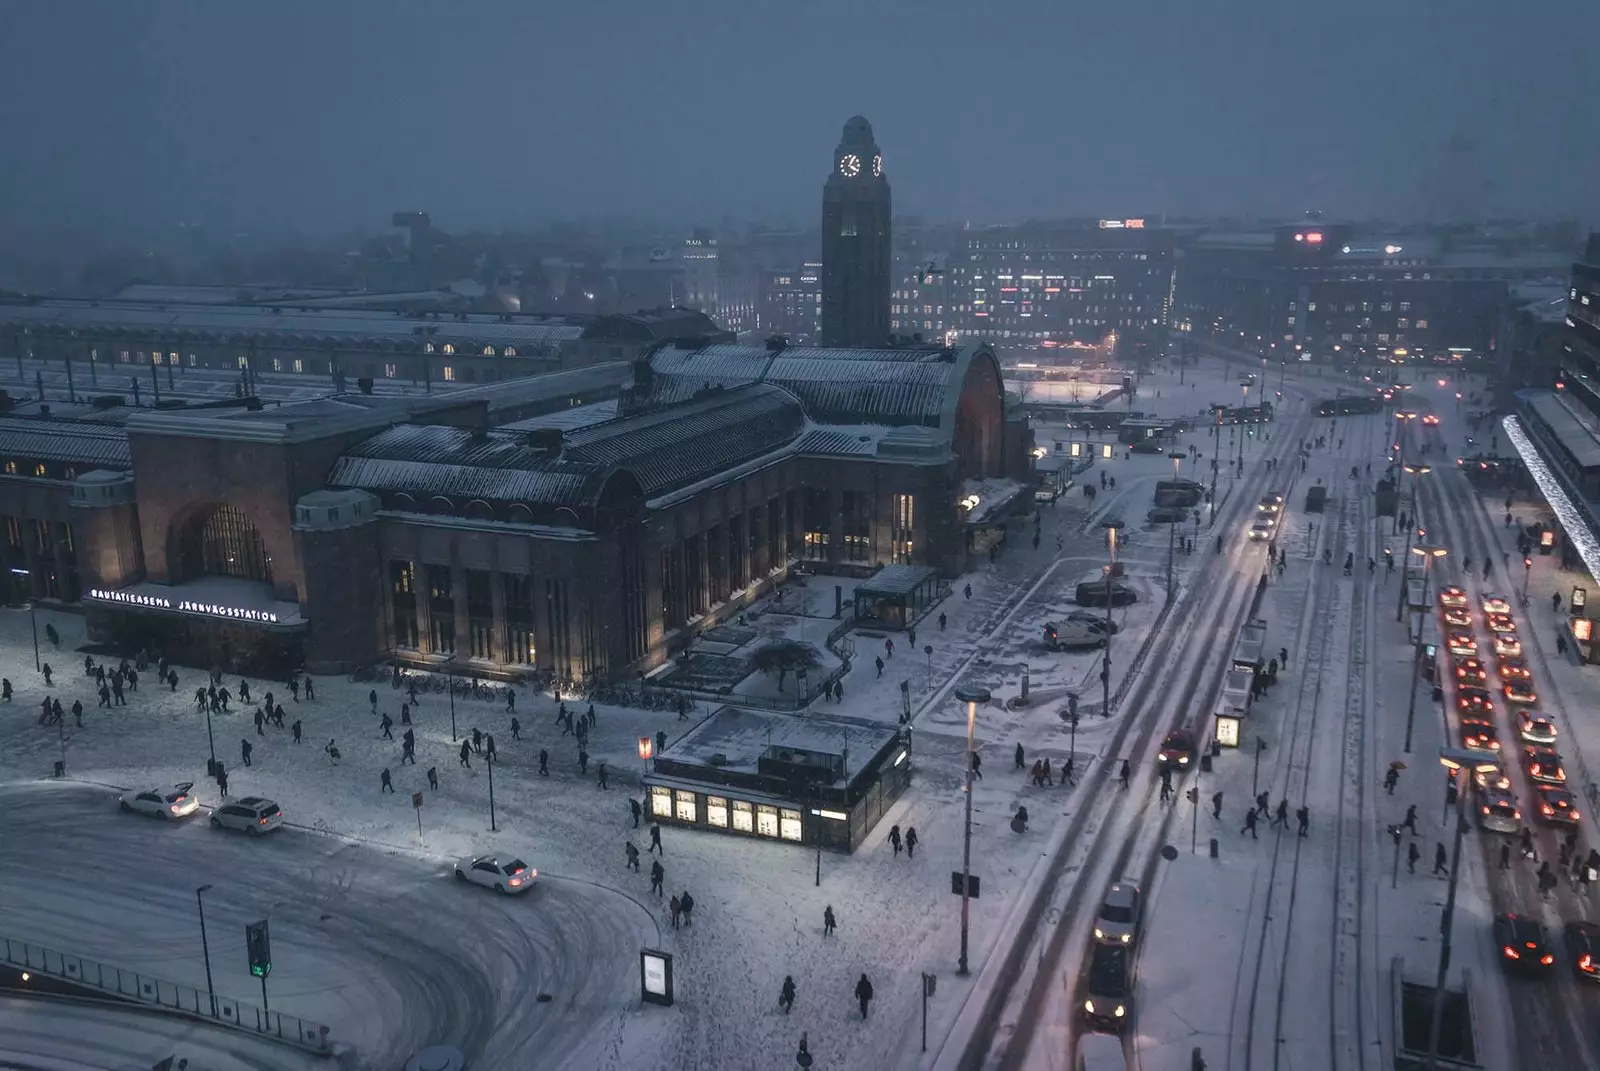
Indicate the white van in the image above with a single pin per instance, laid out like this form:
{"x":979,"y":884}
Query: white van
{"x":1100,"y":1052}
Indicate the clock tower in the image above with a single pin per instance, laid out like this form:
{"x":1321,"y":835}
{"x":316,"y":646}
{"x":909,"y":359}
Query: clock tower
{"x":855,"y":242}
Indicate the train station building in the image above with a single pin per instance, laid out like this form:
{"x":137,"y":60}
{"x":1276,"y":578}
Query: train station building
{"x":585,"y":524}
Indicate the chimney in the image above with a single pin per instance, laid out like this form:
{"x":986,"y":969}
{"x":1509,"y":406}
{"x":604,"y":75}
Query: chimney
{"x":547,"y":440}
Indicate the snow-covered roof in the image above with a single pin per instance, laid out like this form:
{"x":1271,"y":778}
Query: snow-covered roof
{"x":570,"y":419}
{"x":308,"y":326}
{"x":681,"y":444}
{"x":430,"y":459}
{"x":53,"y":440}
{"x":741,"y":736}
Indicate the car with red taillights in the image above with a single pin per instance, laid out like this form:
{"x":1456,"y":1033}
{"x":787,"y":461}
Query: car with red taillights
{"x":1583,"y":949}
{"x":1543,"y":764}
{"x":1523,"y":943}
{"x":1470,"y":671}
{"x":1454,"y":597}
{"x":1479,"y":735}
{"x":1556,"y":805}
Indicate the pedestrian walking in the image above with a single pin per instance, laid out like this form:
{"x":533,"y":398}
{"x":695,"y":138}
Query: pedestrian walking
{"x":1280,"y":817}
{"x":516,"y":729}
{"x":1036,"y":774}
{"x":408,"y":753}
{"x":688,"y":908}
{"x":1048,"y":778}
{"x":636,"y":810}
{"x":1166,"y":789}
{"x":77,"y":713}
{"x":829,"y":922}
{"x":387,"y":725}
{"x":967,"y":591}
{"x":1302,"y":816}
{"x":1216,"y":805}
{"x":1440,"y":859}
{"x":387,"y":784}
{"x":1264,"y":805}
{"x":45,"y":669}
{"x":465,"y":755}
{"x":222,"y":781}
{"x":633,"y":855}
{"x":311,"y":689}
{"x":878,"y":661}
{"x":1021,"y":760}
{"x":295,"y":728}
{"x":405,"y":713}
{"x":655,"y":839}
{"x":294,"y":688}
{"x":657,"y":874}
{"x":864,"y":994}
{"x":786,"y":994}
{"x":894,"y":839}
{"x":1413,"y":853}
{"x":244,"y":689}
{"x":244,"y":751}
{"x":1410,"y":821}
{"x":1250,"y":824}
{"x":544,"y":763}
{"x":583,"y":761}
{"x":332,"y":751}
{"x":372,"y":697}
{"x":261,"y":721}
{"x":977,"y":766}
{"x":511,"y":701}
{"x":1391,"y":779}
{"x":1528,"y":850}
{"x":941,"y":620}
{"x":600,"y":773}
{"x":105,"y":696}
{"x":675,"y":906}
{"x":477,"y":740}
{"x":911,"y":842}
{"x":589,"y":716}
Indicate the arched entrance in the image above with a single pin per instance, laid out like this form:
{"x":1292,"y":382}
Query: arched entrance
{"x":219,"y":540}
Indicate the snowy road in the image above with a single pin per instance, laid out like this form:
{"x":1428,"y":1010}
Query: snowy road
{"x":385,"y":948}
{"x":50,"y":1035}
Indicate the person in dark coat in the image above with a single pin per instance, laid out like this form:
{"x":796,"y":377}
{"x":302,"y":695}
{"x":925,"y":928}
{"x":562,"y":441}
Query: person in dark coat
{"x":786,"y":994}
{"x":295,"y":728}
{"x":516,"y":729}
{"x":387,"y":726}
{"x":894,"y":839}
{"x":1441,"y":859}
{"x":655,"y":839}
{"x":583,"y":760}
{"x":676,"y":908}
{"x":1413,"y":853}
{"x":632,"y":854}
{"x":864,"y":994}
{"x":1302,"y":815}
{"x":658,"y":874}
{"x":388,"y":786}
{"x":477,"y":740}
{"x":829,"y":922}
{"x":488,"y":746}
{"x":1021,"y":761}
{"x":465,"y":755}
{"x":633,"y":806}
{"x":911,"y":842}
{"x":544,"y":763}
{"x":1250,"y":824}
{"x":433,"y":778}
{"x":687,"y":902}
{"x":244,"y":751}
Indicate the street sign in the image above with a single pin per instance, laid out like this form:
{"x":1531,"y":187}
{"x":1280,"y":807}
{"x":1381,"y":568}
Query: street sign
{"x":655,"y":976}
{"x":259,"y":948}
{"x":972,"y":884}
{"x":416,"y":799}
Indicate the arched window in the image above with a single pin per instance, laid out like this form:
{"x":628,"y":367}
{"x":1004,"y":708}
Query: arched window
{"x":511,"y":351}
{"x":440,"y":504}
{"x":223,"y":542}
{"x":520,"y":514}
{"x":488,"y":351}
{"x":403,"y":501}
{"x":479,"y":510}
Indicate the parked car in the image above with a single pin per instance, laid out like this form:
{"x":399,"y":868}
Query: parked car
{"x":1073,"y":636}
{"x":250,"y":814}
{"x":1167,"y":515}
{"x":1094,"y":593}
{"x":1094,"y":620}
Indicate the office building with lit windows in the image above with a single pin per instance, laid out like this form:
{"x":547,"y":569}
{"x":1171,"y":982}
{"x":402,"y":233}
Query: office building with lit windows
{"x":1043,"y":285}
{"x":586,"y":524}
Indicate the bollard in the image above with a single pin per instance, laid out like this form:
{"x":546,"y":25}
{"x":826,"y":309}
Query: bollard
{"x":1213,"y":847}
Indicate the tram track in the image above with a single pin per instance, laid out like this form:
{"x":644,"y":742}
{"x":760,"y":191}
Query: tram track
{"x":1548,"y":1034}
{"x":1006,"y":1034}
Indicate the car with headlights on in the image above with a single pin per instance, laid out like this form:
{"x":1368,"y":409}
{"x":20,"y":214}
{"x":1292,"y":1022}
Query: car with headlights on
{"x":1479,"y":735}
{"x":1261,"y":530}
{"x":1495,"y":604}
{"x":1507,"y":646}
{"x":1454,"y":597}
{"x":1118,"y":920}
{"x":1108,"y":990}
{"x":1523,"y":943}
{"x":1177,"y":750}
{"x":1494,"y":777}
{"x":1556,"y":805}
{"x":505,"y":874}
{"x":1536,"y":728}
{"x":175,"y":801}
{"x":250,"y":814}
{"x":1520,"y":692}
{"x":1498,"y":811}
{"x":1543,"y":764}
{"x":1583,"y":950}
{"x":1470,"y":671}
{"x":1513,"y":669}
{"x":1500,"y":624}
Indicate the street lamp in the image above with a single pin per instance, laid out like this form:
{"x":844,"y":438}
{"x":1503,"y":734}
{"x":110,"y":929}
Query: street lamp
{"x":1172,"y":528}
{"x":1244,"y":402}
{"x":1527,"y":574}
{"x":1456,"y":759}
{"x":1427,"y":553}
{"x":972,"y":697}
{"x":33,"y":620}
{"x":205,"y":946}
{"x":1111,"y":569}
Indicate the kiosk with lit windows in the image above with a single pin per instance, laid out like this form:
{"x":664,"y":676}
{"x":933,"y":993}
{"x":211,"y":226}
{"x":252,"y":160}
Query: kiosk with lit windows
{"x":814,"y":779}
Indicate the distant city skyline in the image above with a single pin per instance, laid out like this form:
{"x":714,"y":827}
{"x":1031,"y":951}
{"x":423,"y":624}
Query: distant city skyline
{"x":321,"y":118}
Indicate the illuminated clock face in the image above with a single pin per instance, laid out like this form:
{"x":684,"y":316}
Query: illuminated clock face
{"x":877,"y":167}
{"x":850,"y":165}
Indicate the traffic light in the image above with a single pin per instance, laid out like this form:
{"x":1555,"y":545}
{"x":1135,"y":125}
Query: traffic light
{"x":259,"y":948}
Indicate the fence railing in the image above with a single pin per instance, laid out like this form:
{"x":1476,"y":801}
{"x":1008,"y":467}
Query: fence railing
{"x":134,"y":986}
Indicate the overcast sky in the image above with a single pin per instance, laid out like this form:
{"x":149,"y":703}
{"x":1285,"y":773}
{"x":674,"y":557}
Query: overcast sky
{"x":329,"y":114}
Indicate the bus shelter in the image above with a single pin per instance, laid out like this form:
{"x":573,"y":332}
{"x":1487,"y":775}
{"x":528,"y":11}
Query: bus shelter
{"x":896,"y":595}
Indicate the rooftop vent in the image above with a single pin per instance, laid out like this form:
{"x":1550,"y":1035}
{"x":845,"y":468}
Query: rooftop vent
{"x":547,"y":440}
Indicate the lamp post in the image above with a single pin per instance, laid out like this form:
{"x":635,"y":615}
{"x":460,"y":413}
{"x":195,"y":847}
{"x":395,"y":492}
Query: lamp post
{"x":1111,"y":569}
{"x":492,"y":827}
{"x":972,"y":697}
{"x":1460,"y":759}
{"x":1400,"y":609}
{"x":451,"y":677}
{"x":1527,"y":574}
{"x":1172,"y":528}
{"x":1244,"y":402}
{"x":1427,"y":553}
{"x":205,"y":945}
{"x":211,"y":742}
{"x":1400,"y":442}
{"x":33,"y":620}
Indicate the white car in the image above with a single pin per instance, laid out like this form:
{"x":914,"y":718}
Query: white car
{"x":174,"y":802}
{"x":1118,"y":921}
{"x":503,"y":874}
{"x":1260,"y":530}
{"x":251,"y":814}
{"x":1496,"y":604}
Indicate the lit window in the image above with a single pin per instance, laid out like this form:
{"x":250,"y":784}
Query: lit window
{"x":661,"y":802}
{"x":299,"y":365}
{"x":789,"y":824}
{"x":766,"y":820}
{"x":11,"y":468}
{"x":744,"y":819}
{"x":449,"y":349}
{"x":388,"y":371}
{"x":686,"y":806}
{"x":509,"y":351}
{"x":244,"y":362}
{"x":427,"y":347}
{"x":123,"y":357}
{"x":1422,"y":324}
{"x":277,"y":364}
{"x":449,"y":374}
{"x":717,"y":812}
{"x":39,"y":469}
